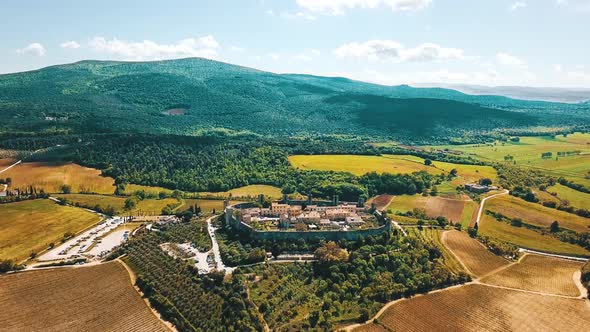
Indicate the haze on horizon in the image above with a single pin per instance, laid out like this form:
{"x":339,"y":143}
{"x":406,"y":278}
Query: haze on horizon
{"x":493,"y":43}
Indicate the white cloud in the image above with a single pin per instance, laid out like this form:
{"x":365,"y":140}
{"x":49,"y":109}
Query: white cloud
{"x":70,"y":44}
{"x":205,"y":47}
{"x":292,"y":16}
{"x":517,"y":5}
{"x":338,"y":7}
{"x":34,"y":49}
{"x":558,"y":68}
{"x":510,"y":60}
{"x":393,"y":50}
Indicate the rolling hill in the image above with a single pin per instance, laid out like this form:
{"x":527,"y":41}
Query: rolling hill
{"x":190,"y":95}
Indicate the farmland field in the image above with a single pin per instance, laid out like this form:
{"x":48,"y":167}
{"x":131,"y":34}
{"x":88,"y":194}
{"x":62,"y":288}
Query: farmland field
{"x":433,"y":237}
{"x":381,"y":201}
{"x":527,"y":152}
{"x":476,"y":258}
{"x":50,"y":176}
{"x":95,"y":298}
{"x":206,"y":205}
{"x":575,"y":198}
{"x":30,"y":226}
{"x":484,"y":308}
{"x":360,"y":165}
{"x":251,"y":191}
{"x":540,"y":274}
{"x":536,"y":214}
{"x":527,"y":238}
{"x":452,"y":209}
{"x":149,"y":206}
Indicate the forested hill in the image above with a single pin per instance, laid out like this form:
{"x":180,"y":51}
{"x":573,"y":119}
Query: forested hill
{"x":190,"y":95}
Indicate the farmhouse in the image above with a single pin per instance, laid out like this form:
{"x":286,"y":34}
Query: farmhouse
{"x":479,"y":188}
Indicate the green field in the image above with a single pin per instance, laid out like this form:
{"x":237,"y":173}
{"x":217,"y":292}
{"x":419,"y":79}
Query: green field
{"x":575,"y":198}
{"x":206,"y":205}
{"x":146,"y":206}
{"x":30,"y":226}
{"x":433,"y":237}
{"x":251,"y":191}
{"x":527,"y":152}
{"x":527,"y":238}
{"x":360,"y":165}
{"x":536,"y":214}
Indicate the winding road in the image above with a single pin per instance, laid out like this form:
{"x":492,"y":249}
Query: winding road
{"x":483,"y":201}
{"x":215,"y":248}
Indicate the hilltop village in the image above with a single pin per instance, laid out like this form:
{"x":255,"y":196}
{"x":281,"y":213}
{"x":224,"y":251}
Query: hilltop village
{"x":307,"y":217}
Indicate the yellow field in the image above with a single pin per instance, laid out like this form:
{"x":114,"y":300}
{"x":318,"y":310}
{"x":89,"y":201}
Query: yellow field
{"x":130,"y":189}
{"x":456,"y":210}
{"x":394,"y":164}
{"x":251,"y":191}
{"x":528,"y":151}
{"x":50,"y":176}
{"x":527,"y":238}
{"x":540,"y":274}
{"x":536,"y":214}
{"x":206,"y":205}
{"x":575,"y":198}
{"x":476,"y":258}
{"x":30,"y":226}
{"x":483,"y":308}
{"x":93,"y":298}
{"x":146,"y":206}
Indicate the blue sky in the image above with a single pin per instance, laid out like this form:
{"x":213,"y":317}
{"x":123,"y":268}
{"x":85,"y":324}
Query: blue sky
{"x":491,"y":42}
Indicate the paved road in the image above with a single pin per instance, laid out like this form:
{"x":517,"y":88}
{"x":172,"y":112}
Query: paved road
{"x":11,"y":166}
{"x":215,"y":248}
{"x":483,"y":201}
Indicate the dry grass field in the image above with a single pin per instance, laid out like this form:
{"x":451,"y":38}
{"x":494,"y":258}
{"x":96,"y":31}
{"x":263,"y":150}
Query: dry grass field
{"x":30,"y":226}
{"x":452,"y":209}
{"x":50,"y":176}
{"x":95,"y":298}
{"x":536,"y":214}
{"x":484,"y":308}
{"x":527,"y":238}
{"x":476,"y":258}
{"x":540,"y":274}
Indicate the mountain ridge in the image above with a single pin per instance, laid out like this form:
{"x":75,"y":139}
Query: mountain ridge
{"x":106,"y":96}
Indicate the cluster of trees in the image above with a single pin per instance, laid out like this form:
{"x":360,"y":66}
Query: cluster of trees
{"x":238,"y":251}
{"x":24,"y":194}
{"x":572,"y":185}
{"x":190,"y":301}
{"x":352,"y":279}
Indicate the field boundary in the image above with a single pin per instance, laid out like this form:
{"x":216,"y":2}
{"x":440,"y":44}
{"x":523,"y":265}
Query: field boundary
{"x":11,"y":166}
{"x":132,"y":279}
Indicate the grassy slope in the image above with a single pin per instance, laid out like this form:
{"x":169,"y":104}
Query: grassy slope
{"x":360,"y":165}
{"x":528,"y":151}
{"x":118,"y":203}
{"x":575,"y":198}
{"x":536,"y":214}
{"x":527,"y":238}
{"x":251,"y":191}
{"x":31,"y":225}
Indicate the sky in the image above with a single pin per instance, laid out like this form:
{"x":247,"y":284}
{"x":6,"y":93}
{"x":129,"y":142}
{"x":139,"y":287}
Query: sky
{"x":487,"y":42}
